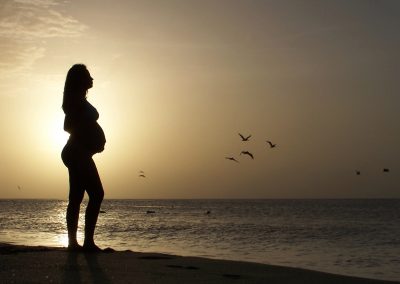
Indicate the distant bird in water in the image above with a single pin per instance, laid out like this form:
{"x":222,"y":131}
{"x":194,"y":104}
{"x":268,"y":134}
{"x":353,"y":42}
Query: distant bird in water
{"x":150,"y":212}
{"x":102,"y":211}
{"x":358,"y":173}
{"x":232,"y":159}
{"x":271,"y":145}
{"x":244,"y":138}
{"x":247,"y":153}
{"x":208,"y":212}
{"x":385,"y":170}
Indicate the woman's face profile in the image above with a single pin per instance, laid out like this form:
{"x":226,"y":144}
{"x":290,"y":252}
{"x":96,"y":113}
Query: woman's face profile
{"x":89,"y":80}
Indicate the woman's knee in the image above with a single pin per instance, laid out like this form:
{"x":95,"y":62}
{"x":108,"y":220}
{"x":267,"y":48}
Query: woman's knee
{"x":96,"y":196}
{"x":76,"y":194}
{"x":100,"y":196}
{"x":75,"y":199}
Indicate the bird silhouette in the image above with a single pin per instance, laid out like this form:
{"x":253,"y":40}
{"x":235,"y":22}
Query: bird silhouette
{"x":232,"y":159}
{"x":142,"y":175}
{"x":385,"y":170}
{"x":358,"y":173}
{"x":244,"y":138}
{"x":271,"y":145}
{"x":247,"y":153}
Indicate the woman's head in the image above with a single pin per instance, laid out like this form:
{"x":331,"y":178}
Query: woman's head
{"x":77,"y":83}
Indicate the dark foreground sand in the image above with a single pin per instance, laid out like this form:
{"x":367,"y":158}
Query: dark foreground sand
{"x":23,"y":264}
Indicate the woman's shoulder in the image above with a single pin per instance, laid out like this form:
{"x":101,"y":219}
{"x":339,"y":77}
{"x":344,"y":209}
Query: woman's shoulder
{"x":74,"y":106}
{"x":81,"y":110}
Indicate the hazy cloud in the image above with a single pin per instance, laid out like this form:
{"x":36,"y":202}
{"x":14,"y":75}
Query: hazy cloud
{"x":25,"y":25}
{"x":41,"y":3}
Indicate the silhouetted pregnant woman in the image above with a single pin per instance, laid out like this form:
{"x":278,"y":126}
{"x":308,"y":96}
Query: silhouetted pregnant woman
{"x":86,"y":139}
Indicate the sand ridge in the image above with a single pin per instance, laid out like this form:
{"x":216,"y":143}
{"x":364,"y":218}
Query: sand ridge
{"x":29,"y":264}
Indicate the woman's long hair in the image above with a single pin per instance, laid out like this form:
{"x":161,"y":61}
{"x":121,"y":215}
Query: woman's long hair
{"x":76,"y":86}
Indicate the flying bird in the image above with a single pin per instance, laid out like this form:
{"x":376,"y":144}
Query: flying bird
{"x":232,"y":159}
{"x":271,"y":145}
{"x":247,"y":153}
{"x":385,"y":170}
{"x":244,"y":138}
{"x":358,"y":173}
{"x":142,"y":175}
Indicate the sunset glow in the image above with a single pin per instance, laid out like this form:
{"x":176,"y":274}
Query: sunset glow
{"x":176,"y":81}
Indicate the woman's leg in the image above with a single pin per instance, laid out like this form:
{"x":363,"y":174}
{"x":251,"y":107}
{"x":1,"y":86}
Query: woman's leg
{"x":76,"y":193}
{"x":94,"y":188}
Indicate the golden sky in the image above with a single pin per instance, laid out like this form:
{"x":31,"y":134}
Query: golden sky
{"x":175,"y":81}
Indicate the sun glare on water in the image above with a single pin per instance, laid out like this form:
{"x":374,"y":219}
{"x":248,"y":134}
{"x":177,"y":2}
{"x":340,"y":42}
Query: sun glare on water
{"x":62,"y":240}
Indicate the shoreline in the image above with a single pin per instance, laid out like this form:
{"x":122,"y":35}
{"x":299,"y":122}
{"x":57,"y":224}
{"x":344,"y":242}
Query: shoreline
{"x":41,"y":264}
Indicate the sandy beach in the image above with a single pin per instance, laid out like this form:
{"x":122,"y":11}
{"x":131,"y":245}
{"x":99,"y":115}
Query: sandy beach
{"x":28,"y":264}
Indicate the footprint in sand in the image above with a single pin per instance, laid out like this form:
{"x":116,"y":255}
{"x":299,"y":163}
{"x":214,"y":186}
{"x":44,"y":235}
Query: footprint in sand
{"x":232,"y":276}
{"x":182,"y":267}
{"x":155,"y":257}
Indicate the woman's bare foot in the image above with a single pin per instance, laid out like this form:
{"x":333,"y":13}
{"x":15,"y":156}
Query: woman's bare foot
{"x":91,"y":248}
{"x":74,"y":247}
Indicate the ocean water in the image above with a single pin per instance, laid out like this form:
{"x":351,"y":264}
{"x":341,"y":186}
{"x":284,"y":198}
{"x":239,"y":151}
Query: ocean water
{"x":351,"y":237}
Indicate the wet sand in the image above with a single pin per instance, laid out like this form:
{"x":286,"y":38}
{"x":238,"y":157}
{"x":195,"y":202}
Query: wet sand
{"x":27,"y":264}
